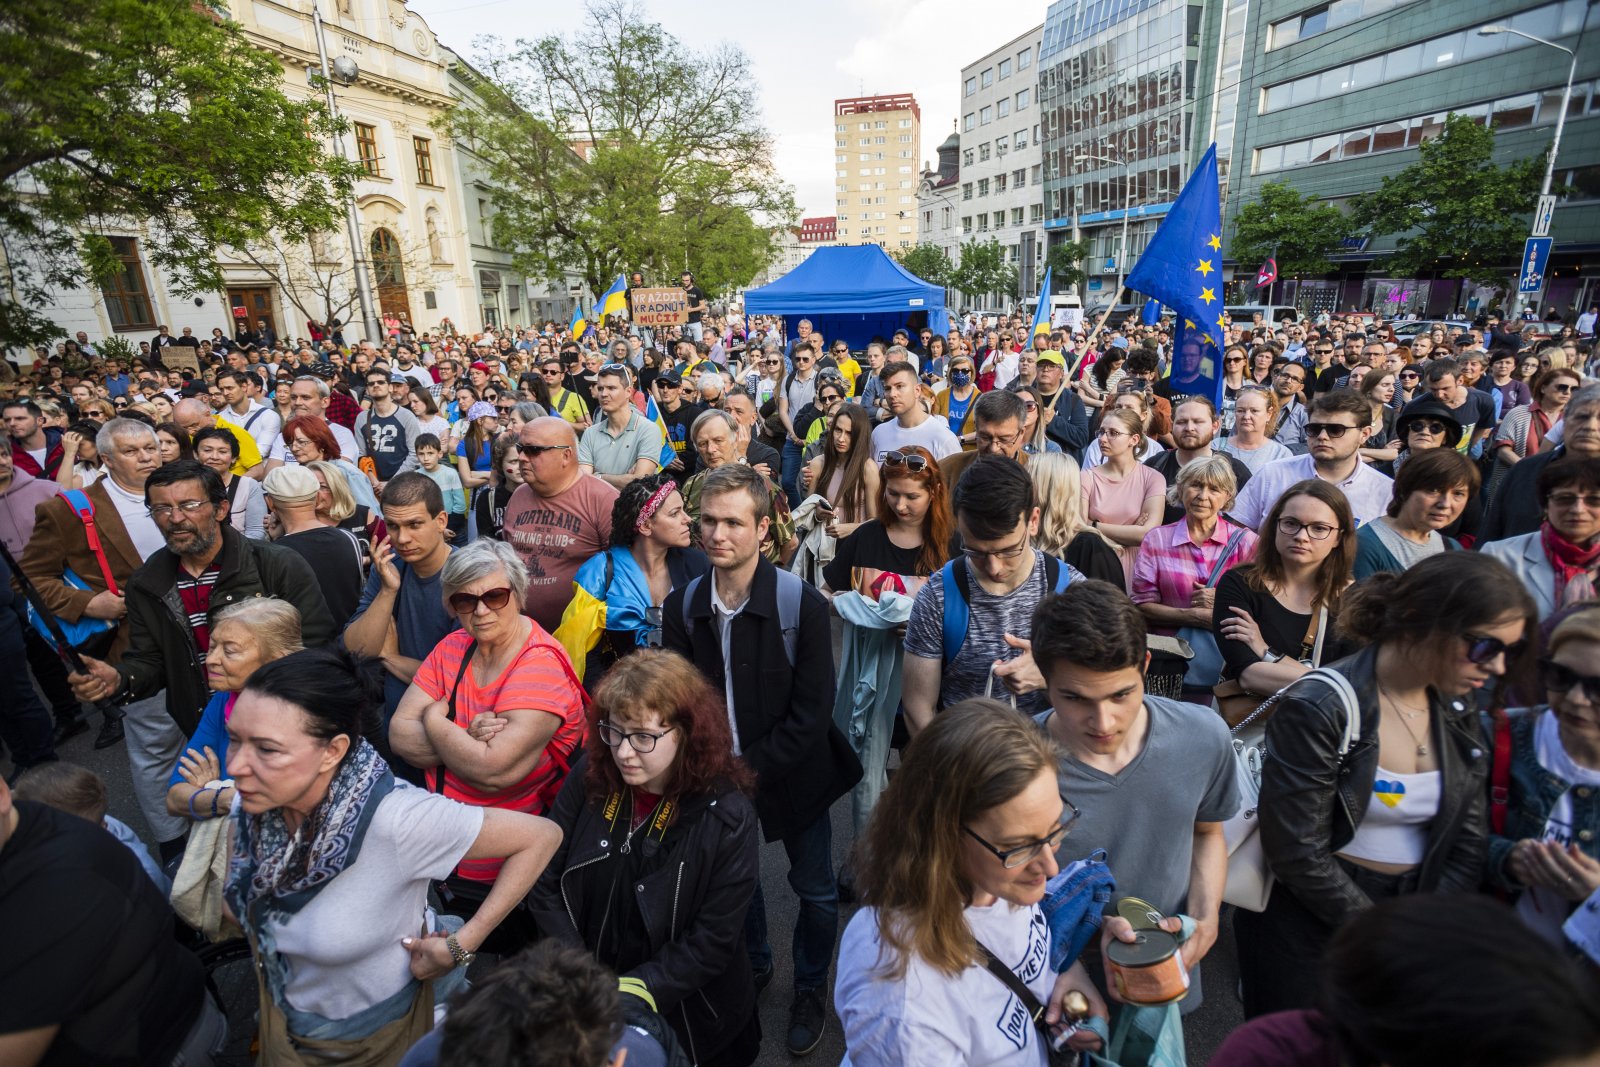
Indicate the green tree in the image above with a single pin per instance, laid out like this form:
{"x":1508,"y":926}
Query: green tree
{"x":623,"y":149}
{"x":926,"y":261}
{"x":1065,"y":262}
{"x":983,"y":271}
{"x":1454,"y":210}
{"x":155,"y":112}
{"x":1301,"y":234}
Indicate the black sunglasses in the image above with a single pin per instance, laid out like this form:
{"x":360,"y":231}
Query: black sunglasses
{"x":1333,"y":430}
{"x":1432,"y":427}
{"x":1559,"y":678}
{"x":1481,"y":650}
{"x":539,"y":450}
{"x":910,"y":461}
{"x":467,"y":603}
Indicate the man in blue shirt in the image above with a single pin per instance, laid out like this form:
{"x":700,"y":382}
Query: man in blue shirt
{"x":117,"y":383}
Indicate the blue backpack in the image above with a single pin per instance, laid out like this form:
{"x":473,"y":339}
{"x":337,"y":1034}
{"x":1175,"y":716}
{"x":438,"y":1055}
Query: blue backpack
{"x":958,"y":591}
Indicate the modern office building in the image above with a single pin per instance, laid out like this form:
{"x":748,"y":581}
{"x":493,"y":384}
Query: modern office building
{"x":1001,"y":181}
{"x":1117,"y":81}
{"x":877,"y":142}
{"x":1333,"y":97}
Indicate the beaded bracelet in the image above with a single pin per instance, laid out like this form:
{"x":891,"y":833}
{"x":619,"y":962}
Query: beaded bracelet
{"x":195,"y":815}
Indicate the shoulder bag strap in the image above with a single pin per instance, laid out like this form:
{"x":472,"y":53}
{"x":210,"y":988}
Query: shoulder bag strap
{"x":1222,"y":560}
{"x":79,"y":502}
{"x":233,"y":489}
{"x":1320,"y":624}
{"x":1009,"y":979}
{"x":1500,"y":775}
{"x":450,"y":710}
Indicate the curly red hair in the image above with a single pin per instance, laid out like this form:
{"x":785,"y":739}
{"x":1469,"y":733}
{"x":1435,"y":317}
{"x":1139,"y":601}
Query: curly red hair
{"x":316,"y":431}
{"x":664,"y":683}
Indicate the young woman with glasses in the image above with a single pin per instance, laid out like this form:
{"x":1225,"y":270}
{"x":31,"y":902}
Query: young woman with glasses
{"x":617,"y":595}
{"x":1123,"y":498}
{"x":658,"y":857}
{"x":952,"y":877}
{"x":493,"y":716}
{"x":1273,"y":619}
{"x":1402,"y":809}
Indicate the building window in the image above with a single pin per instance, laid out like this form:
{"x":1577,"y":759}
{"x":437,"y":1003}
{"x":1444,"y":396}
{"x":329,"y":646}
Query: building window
{"x":1000,"y":145}
{"x":983,"y":223}
{"x":1020,"y":140}
{"x":1003,"y":107}
{"x":1025,"y":59}
{"x":966,"y":157}
{"x":985,"y":116}
{"x":966,"y":224}
{"x":1325,"y":17}
{"x":999,"y":220}
{"x":966,"y":191}
{"x":970,"y":87}
{"x":422,"y":148}
{"x":983,"y":187}
{"x":967,"y":122}
{"x":126,"y":295}
{"x":999,"y":183}
{"x":367,"y":146}
{"x":1019,"y":178}
{"x":1016,"y":216}
{"x":984,"y":152}
{"x":986,"y":79}
{"x":1022,"y":98}
{"x":1036,"y":213}
{"x":1005,"y":69}
{"x":1033,"y":174}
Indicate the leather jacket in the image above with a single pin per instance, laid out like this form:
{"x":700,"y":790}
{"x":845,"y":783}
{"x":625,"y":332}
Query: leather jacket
{"x":1312,"y":801}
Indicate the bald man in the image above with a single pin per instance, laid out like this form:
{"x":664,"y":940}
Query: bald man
{"x":558,"y":517}
{"x":193,"y":415}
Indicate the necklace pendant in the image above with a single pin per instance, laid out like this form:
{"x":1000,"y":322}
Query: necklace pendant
{"x":1422,"y":750}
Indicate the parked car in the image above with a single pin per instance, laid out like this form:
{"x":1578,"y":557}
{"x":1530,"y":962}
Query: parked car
{"x":1272,"y":314}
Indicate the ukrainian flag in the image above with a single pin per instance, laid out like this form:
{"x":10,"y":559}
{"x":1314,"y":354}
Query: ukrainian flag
{"x":653,"y":413}
{"x":614,"y":301}
{"x":1041,"y":314}
{"x":579,"y":325}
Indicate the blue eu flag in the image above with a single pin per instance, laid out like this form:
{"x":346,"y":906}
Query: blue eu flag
{"x":1182,"y":268}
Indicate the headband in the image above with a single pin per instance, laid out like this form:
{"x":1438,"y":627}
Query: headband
{"x":657,"y":498}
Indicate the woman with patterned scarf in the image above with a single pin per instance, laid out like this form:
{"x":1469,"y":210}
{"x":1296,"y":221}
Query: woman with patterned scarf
{"x":1559,"y":563}
{"x":331,"y":863}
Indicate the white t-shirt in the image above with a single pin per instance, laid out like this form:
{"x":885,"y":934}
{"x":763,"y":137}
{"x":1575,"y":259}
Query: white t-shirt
{"x":342,"y":951}
{"x":147,"y":540}
{"x":265,"y":426}
{"x":930,"y":1019}
{"x":1541,"y":909}
{"x":933,"y":434}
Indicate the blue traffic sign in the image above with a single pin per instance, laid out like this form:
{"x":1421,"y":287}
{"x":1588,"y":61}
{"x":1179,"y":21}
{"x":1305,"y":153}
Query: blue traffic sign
{"x":1535,"y":257}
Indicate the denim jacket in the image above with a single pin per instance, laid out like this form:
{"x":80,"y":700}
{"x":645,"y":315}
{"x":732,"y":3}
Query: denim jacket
{"x":1534,"y":791}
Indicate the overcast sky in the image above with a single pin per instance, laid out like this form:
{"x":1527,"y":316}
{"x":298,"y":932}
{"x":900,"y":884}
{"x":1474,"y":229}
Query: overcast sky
{"x":856,"y":48}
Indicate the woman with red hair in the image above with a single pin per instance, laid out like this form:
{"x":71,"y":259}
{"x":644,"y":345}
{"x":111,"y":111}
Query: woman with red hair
{"x":309,"y":440}
{"x":657,"y":863}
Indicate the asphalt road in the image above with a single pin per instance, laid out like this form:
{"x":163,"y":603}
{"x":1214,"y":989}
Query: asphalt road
{"x":1204,"y":1029}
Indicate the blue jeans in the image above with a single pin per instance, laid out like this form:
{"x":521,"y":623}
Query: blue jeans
{"x":791,"y":472}
{"x":811,"y":877}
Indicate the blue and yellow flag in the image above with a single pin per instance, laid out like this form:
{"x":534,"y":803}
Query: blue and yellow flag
{"x":579,"y":325}
{"x":1041,"y":314}
{"x":614,"y":301}
{"x":1182,"y":268}
{"x":653,"y":413}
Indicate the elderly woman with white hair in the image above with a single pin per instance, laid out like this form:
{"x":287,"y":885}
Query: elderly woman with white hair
{"x":494,"y":716}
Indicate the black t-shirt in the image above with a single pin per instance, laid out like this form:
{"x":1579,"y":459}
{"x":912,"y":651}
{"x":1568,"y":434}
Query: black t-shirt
{"x":1324,"y":380}
{"x":490,"y":509}
{"x":334,"y":555}
{"x":1475,"y":414}
{"x":756,"y":453}
{"x":89,"y":946}
{"x":1093,"y":558}
{"x":1283,"y":630}
{"x":678,"y":423}
{"x":696,"y":296}
{"x":869,"y":547}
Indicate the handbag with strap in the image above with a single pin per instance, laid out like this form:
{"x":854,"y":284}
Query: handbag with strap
{"x":1234,"y":702}
{"x":85,"y":628}
{"x":1249,"y":874}
{"x":1205,"y":666}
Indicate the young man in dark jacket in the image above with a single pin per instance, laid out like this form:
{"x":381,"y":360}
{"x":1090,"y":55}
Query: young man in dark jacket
{"x":780,"y":689}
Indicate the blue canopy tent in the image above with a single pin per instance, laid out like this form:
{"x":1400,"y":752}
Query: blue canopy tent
{"x":852,"y":294}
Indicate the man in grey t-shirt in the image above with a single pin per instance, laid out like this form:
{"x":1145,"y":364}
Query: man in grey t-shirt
{"x":1153,"y":778}
{"x":1004,"y":577}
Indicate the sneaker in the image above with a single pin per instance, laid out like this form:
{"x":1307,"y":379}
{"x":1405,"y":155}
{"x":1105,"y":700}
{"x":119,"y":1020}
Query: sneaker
{"x":807,"y":1017}
{"x":110,"y":733}
{"x":762,"y":979}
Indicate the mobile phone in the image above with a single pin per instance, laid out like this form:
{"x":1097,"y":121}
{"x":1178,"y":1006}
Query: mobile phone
{"x":823,"y":505}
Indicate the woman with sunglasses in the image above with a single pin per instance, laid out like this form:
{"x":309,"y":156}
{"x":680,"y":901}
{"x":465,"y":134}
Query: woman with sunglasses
{"x":1123,"y":498}
{"x":913,"y":983}
{"x":658,"y":858}
{"x":617,"y":595}
{"x":1422,"y":424}
{"x":1403,"y":809}
{"x":1234,"y":361}
{"x":1548,"y":851}
{"x":1559,"y":563}
{"x":1522,"y":432}
{"x":1035,"y":442}
{"x":1407,"y":384}
{"x":493,"y":716}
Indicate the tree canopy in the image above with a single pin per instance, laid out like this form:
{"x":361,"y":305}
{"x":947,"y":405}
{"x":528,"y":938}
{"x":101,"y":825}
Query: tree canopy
{"x":926,"y":261}
{"x":1454,"y":210}
{"x":1065,"y":260}
{"x":154,"y":118}
{"x":621,"y":148}
{"x":983,"y":271}
{"x":1301,"y":234}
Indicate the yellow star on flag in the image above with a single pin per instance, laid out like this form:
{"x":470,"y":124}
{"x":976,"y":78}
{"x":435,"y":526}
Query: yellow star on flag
{"x":1208,"y":295}
{"x":1188,"y":324}
{"x":1222,"y":324}
{"x":1208,"y":339}
{"x":1215,"y":243}
{"x":1205,"y":267}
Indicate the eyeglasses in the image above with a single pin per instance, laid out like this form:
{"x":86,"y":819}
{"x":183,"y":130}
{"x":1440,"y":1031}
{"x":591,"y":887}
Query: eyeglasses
{"x":772,"y":363}
{"x":1431,"y":427}
{"x":539,"y":450}
{"x":467,"y":603}
{"x":1411,"y":374}
{"x":978,"y":556}
{"x":188,"y":507}
{"x":986,"y":439}
{"x":1332,"y":430}
{"x":1106,"y":431}
{"x":1563,"y":501}
{"x":1235,"y":359}
{"x":1317,"y":531}
{"x":1559,"y":678}
{"x":1291,"y":377}
{"x":910,"y":461}
{"x":1563,"y":387}
{"x":505,"y":409}
{"x":1481,"y":650}
{"x":1012,"y":858}
{"x":640,"y":741}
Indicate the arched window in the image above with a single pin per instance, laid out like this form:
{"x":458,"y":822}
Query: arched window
{"x":388,"y":267}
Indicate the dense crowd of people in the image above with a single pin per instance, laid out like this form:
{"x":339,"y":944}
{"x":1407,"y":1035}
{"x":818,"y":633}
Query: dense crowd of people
{"x":521,"y":645}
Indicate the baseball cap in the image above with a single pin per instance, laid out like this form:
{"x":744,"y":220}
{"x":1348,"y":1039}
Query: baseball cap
{"x":1050,"y":355}
{"x":671,"y":377}
{"x":291,"y":485}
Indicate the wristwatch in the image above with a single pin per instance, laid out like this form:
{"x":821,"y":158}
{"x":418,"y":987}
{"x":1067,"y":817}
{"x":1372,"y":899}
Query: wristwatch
{"x":1271,"y":656}
{"x":462,"y":957}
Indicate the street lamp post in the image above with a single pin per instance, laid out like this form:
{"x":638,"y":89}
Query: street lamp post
{"x":1127,"y":209}
{"x":369,"y":318}
{"x":1561,"y":119}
